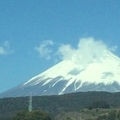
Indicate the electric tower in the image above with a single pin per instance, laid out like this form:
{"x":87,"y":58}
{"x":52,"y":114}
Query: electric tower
{"x":30,"y":103}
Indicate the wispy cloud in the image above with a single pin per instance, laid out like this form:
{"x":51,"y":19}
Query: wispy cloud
{"x":5,"y":48}
{"x":114,"y":48}
{"x":44,"y":49}
{"x":88,"y":50}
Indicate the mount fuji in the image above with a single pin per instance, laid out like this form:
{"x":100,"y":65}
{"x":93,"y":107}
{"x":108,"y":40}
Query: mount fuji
{"x":68,"y":77}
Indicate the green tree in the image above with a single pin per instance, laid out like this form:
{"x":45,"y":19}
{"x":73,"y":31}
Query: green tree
{"x":98,"y":104}
{"x":20,"y":115}
{"x":69,"y":118}
{"x":34,"y":115}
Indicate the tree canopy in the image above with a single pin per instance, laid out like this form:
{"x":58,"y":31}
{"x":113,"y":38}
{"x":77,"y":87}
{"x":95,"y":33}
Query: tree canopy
{"x":98,"y":104}
{"x":33,"y":115}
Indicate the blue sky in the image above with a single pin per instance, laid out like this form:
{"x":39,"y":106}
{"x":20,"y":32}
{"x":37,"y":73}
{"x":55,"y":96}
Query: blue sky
{"x":33,"y":32}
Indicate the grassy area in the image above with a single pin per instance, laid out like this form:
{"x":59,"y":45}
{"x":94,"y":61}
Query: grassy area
{"x":84,"y":114}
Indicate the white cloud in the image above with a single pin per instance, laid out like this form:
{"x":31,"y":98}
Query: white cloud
{"x":114,"y":48}
{"x":66,"y":51}
{"x":5,"y":48}
{"x":88,"y":50}
{"x":44,"y":49}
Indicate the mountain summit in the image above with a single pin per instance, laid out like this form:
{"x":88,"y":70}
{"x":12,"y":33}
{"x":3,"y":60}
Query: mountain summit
{"x":68,"y":76}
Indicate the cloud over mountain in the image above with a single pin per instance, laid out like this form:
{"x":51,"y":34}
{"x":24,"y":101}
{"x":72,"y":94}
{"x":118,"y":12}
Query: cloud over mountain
{"x":88,"y":50}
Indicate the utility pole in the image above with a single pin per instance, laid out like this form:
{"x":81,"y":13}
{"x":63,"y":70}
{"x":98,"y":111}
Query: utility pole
{"x":30,"y":103}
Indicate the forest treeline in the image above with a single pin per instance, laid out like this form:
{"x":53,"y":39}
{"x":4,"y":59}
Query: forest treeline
{"x":57,"y":103}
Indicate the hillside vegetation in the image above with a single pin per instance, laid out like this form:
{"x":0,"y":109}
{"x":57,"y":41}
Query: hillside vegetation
{"x":55,"y":105}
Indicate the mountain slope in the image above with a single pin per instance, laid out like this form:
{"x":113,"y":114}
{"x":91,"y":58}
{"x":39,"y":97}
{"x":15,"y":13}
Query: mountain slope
{"x":67,"y":77}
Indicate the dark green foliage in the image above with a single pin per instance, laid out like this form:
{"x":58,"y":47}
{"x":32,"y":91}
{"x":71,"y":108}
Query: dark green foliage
{"x":34,"y":115}
{"x":56,"y":104}
{"x":98,"y":104}
{"x":20,"y":115}
{"x":69,"y":118}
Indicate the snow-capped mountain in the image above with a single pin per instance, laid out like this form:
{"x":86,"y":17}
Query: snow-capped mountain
{"x":67,"y":77}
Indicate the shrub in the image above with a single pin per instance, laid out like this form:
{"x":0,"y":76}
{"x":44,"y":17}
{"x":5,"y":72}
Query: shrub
{"x":34,"y":115}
